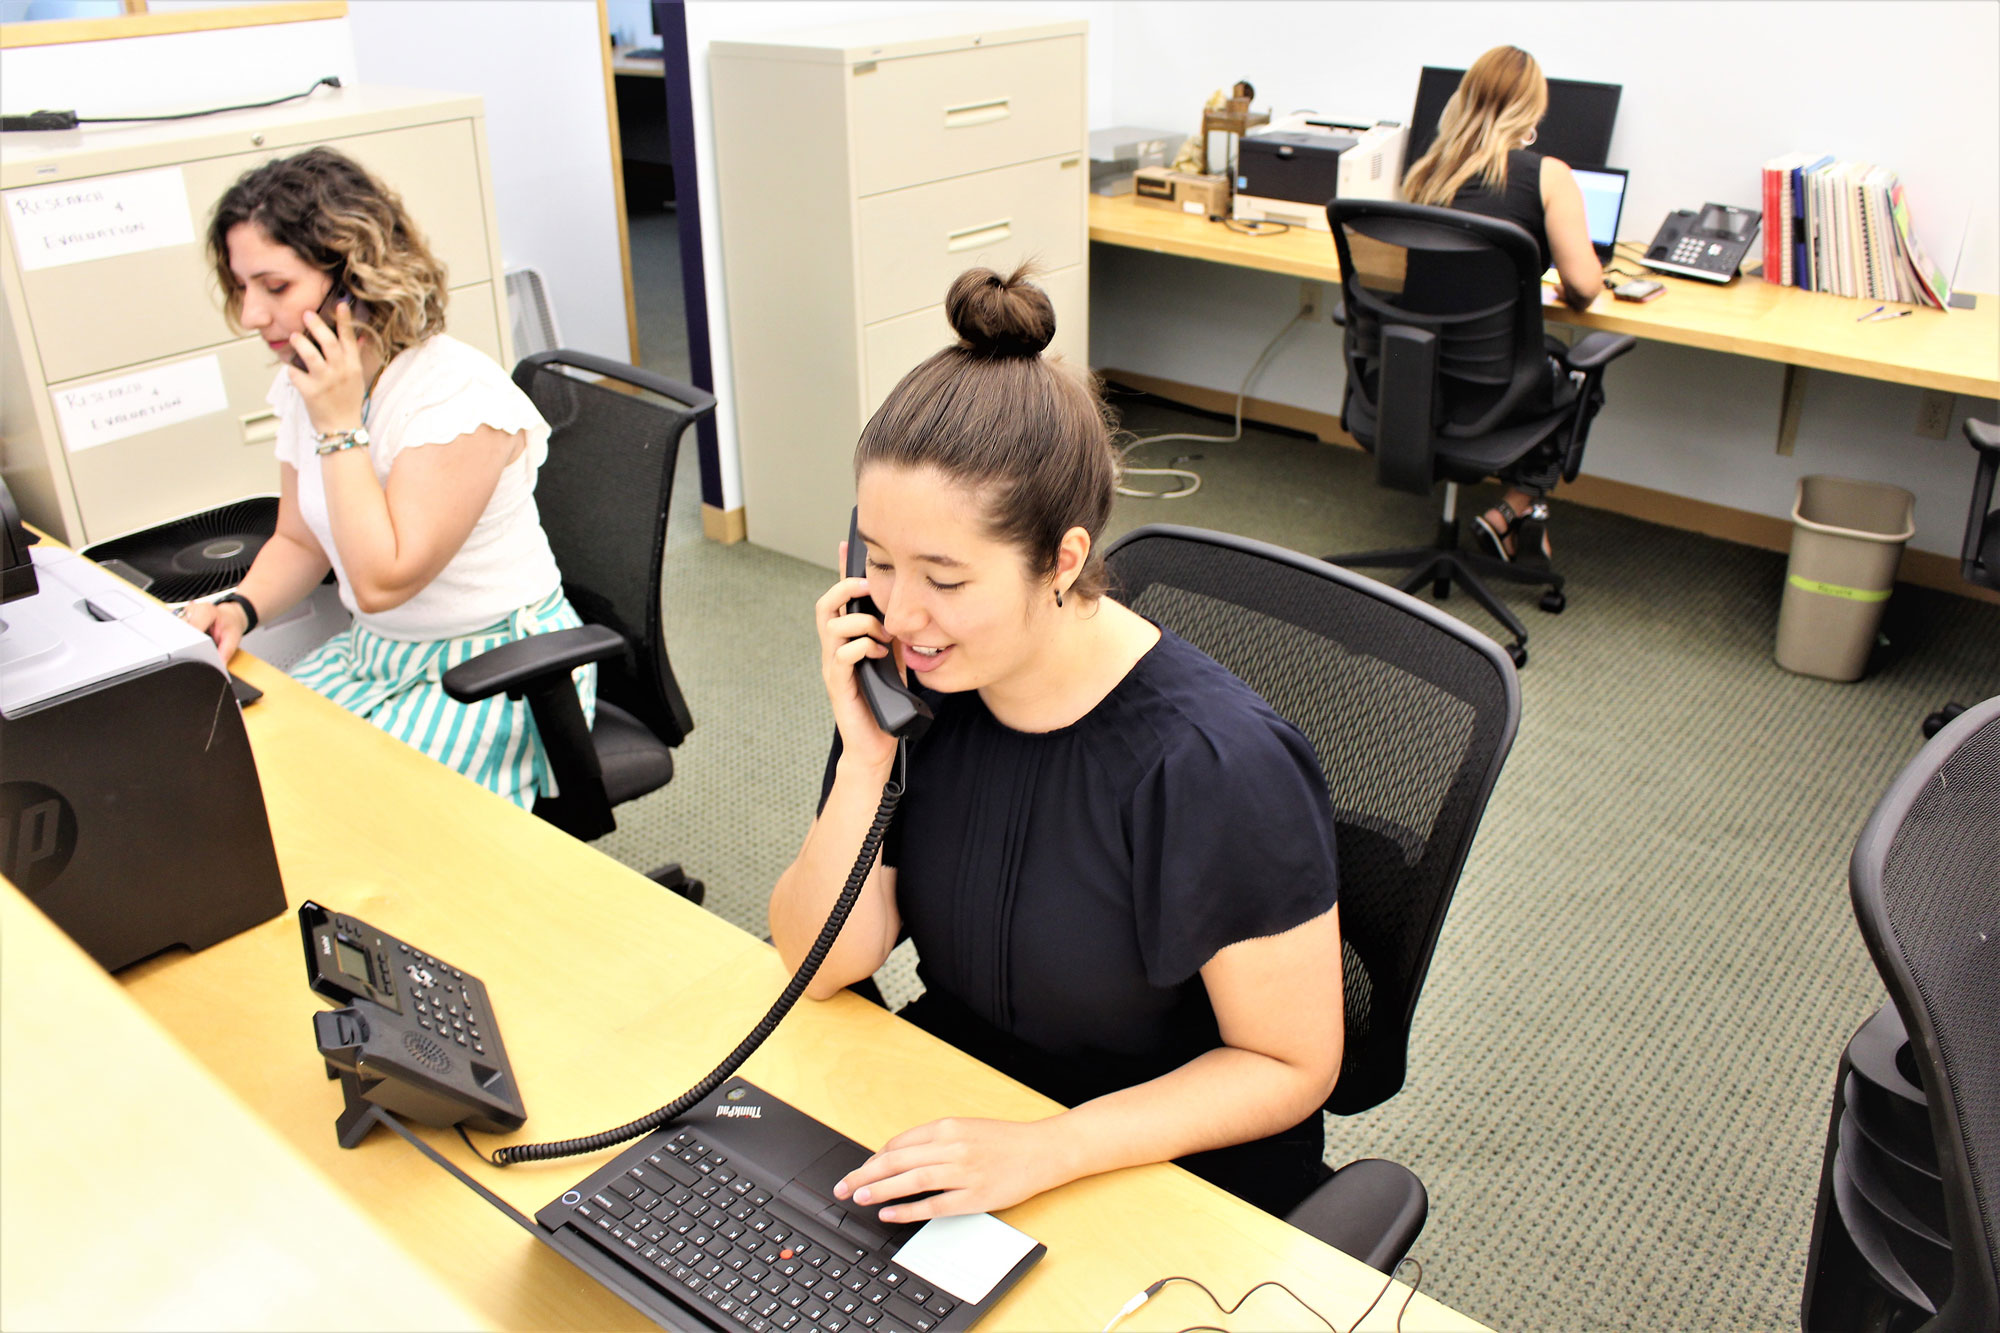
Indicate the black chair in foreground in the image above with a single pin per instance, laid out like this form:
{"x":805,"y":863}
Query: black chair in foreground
{"x":1411,"y":714}
{"x":615,"y":433}
{"x":1979,"y":563}
{"x":1907,"y":1232}
{"x":1449,"y":379}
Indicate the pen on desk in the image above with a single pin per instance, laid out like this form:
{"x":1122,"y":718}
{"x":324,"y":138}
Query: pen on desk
{"x":1871,"y":314}
{"x":1893,"y":314}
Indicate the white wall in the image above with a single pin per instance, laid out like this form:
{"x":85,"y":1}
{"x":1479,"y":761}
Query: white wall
{"x":178,"y":72}
{"x":1909,"y":85}
{"x":537,"y":64}
{"x":731,"y":20}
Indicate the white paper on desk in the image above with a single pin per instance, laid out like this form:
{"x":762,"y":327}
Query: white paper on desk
{"x":94,"y":414}
{"x":965,"y":1256}
{"x":75,"y":221}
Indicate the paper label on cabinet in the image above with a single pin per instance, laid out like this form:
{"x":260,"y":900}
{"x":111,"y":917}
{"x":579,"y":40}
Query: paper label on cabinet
{"x":77,"y":221}
{"x":94,"y":414}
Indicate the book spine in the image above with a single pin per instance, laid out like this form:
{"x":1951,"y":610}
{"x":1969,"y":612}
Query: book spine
{"x":1797,"y":219}
{"x":1773,"y":249}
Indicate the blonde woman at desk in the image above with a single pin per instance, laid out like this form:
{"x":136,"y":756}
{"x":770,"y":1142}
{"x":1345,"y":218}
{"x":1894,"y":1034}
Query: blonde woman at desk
{"x":1116,"y":861}
{"x":406,"y":464}
{"x":1480,"y":162}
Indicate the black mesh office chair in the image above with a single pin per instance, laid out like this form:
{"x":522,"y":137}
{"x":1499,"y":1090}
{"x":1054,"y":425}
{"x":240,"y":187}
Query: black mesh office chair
{"x":603,"y":497}
{"x":1411,"y":714}
{"x":1907,"y":1232}
{"x":1449,"y":379}
{"x":1979,"y":562}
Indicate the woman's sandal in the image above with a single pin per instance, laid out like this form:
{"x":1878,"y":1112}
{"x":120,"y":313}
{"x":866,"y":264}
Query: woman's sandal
{"x":1497,"y":526}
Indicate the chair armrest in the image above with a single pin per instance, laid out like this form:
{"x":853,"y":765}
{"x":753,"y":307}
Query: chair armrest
{"x":516,"y":666}
{"x":1372,"y":1209}
{"x":1598,"y":349}
{"x":1985,"y":435}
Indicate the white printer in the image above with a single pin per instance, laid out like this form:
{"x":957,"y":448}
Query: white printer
{"x":1288,"y":170}
{"x":130,"y":809}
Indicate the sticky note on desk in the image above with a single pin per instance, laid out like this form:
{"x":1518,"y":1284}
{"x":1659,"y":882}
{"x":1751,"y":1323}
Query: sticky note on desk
{"x":965,"y":1256}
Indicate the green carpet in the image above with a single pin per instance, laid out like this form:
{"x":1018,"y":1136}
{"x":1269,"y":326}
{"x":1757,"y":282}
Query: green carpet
{"x":1622,"y":1063}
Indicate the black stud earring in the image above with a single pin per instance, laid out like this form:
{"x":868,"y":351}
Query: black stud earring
{"x":1059,"y":599}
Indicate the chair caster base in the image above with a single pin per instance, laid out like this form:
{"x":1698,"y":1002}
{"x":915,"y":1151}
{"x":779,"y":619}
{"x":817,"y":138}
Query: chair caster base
{"x":1941,"y":719}
{"x":1553,"y":601}
{"x":673,"y":878}
{"x":1518,"y":654}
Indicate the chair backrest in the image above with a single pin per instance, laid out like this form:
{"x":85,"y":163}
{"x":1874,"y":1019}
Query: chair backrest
{"x":1411,"y":715}
{"x":603,"y":498}
{"x":1466,"y":286}
{"x":1925,"y":879}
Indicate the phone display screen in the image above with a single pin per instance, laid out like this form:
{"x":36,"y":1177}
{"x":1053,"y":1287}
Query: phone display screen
{"x":1732,"y":223}
{"x":352,"y":961}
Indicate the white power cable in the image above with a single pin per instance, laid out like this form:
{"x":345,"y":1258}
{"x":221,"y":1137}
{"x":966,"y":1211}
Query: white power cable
{"x":1193,"y":479}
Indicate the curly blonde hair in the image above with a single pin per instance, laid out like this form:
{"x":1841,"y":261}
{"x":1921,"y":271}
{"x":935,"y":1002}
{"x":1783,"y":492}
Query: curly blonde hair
{"x":342,"y":221}
{"x":1500,"y":99}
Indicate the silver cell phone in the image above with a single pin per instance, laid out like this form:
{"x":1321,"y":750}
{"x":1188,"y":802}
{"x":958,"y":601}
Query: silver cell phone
{"x":1642,"y":289}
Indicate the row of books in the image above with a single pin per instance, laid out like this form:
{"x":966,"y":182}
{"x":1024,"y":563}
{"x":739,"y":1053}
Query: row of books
{"x":1844,"y":227}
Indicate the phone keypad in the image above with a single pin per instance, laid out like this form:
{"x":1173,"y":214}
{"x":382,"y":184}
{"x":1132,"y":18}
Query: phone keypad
{"x":443,"y":1000}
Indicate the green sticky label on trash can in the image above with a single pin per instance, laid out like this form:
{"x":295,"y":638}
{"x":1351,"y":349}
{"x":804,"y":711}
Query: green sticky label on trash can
{"x":1836,"y":590}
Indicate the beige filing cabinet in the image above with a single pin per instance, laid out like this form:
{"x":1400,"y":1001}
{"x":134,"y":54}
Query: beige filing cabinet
{"x":861,"y":168}
{"x":125,"y":398}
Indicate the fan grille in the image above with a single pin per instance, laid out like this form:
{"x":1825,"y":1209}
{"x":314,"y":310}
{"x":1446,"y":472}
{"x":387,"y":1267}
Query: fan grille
{"x":198,"y":555}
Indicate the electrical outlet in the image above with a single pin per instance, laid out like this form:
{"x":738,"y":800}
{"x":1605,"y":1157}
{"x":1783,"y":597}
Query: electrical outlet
{"x":1934,"y":414}
{"x":1310,"y":294}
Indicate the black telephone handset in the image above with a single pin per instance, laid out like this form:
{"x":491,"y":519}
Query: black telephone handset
{"x":417,"y":1037}
{"x":1709,"y":245}
{"x":896,"y":707}
{"x":328,"y":310}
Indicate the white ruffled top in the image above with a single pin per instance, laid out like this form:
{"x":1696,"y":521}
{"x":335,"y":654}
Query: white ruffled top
{"x":430,"y":395}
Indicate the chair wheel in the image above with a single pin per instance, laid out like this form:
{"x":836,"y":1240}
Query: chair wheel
{"x":1553,"y":601}
{"x":1519,"y":653}
{"x":1941,"y":719}
{"x":675,"y":880}
{"x":1441,"y":589}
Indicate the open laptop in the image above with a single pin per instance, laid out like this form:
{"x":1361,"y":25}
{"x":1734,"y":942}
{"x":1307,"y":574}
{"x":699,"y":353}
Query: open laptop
{"x":1603,"y":204}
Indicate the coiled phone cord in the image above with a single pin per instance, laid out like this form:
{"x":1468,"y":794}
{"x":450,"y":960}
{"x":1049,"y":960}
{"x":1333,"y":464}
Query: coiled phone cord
{"x":864,"y":861}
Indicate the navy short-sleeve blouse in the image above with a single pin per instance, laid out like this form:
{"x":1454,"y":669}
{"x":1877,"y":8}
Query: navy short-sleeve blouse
{"x":1065,"y":888}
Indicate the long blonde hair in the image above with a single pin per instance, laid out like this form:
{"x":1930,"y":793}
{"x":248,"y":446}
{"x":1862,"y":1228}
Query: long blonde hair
{"x":1498,"y":103}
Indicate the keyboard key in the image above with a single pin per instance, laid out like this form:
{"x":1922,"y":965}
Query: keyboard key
{"x":624,"y":1187}
{"x":910,"y":1314}
{"x":874,"y":1293}
{"x":918,"y":1292}
{"x":893,"y":1276}
{"x":940,"y":1305}
{"x":612,"y":1205}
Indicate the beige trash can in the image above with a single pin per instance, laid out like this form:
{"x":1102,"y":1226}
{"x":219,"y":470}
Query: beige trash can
{"x":1846,"y":539}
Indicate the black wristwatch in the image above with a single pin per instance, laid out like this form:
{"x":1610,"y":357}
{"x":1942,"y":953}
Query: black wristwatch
{"x":249,"y":608}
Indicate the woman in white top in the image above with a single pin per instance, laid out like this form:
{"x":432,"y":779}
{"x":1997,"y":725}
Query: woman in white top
{"x":407,"y":465}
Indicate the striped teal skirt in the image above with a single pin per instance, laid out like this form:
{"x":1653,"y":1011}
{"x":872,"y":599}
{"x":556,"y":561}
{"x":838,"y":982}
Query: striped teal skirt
{"x":397,"y":685}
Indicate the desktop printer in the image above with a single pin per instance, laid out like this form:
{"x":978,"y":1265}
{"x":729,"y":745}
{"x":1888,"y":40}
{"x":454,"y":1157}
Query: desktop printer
{"x":130,"y":810}
{"x":1289,"y":171}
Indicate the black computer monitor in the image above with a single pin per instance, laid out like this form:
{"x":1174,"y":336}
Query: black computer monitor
{"x":1576,"y":129}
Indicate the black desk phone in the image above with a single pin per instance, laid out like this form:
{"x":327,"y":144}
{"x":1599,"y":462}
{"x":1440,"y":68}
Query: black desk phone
{"x":897,"y":708}
{"x":416,"y":1039}
{"x":1709,"y":245}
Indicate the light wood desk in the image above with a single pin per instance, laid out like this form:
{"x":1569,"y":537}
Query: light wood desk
{"x":1957,"y":351}
{"x":614,"y":995}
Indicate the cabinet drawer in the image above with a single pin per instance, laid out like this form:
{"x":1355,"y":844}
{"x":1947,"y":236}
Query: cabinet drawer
{"x":924,"y":118}
{"x":894,"y":347}
{"x":914,"y":242}
{"x":101,"y":314}
{"x":149,"y":478}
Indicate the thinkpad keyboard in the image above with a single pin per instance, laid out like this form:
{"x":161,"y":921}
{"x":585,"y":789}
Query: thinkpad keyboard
{"x":726,"y":1221}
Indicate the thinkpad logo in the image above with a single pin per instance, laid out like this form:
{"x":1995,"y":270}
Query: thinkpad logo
{"x":733,"y":1112}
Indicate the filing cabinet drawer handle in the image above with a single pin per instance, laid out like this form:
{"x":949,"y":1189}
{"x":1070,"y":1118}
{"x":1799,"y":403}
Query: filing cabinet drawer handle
{"x":260,"y":427}
{"x":977,"y":113}
{"x":972,"y":238}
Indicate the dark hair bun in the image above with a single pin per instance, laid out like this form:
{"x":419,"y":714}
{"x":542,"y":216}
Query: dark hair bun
{"x":1000,"y":317}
